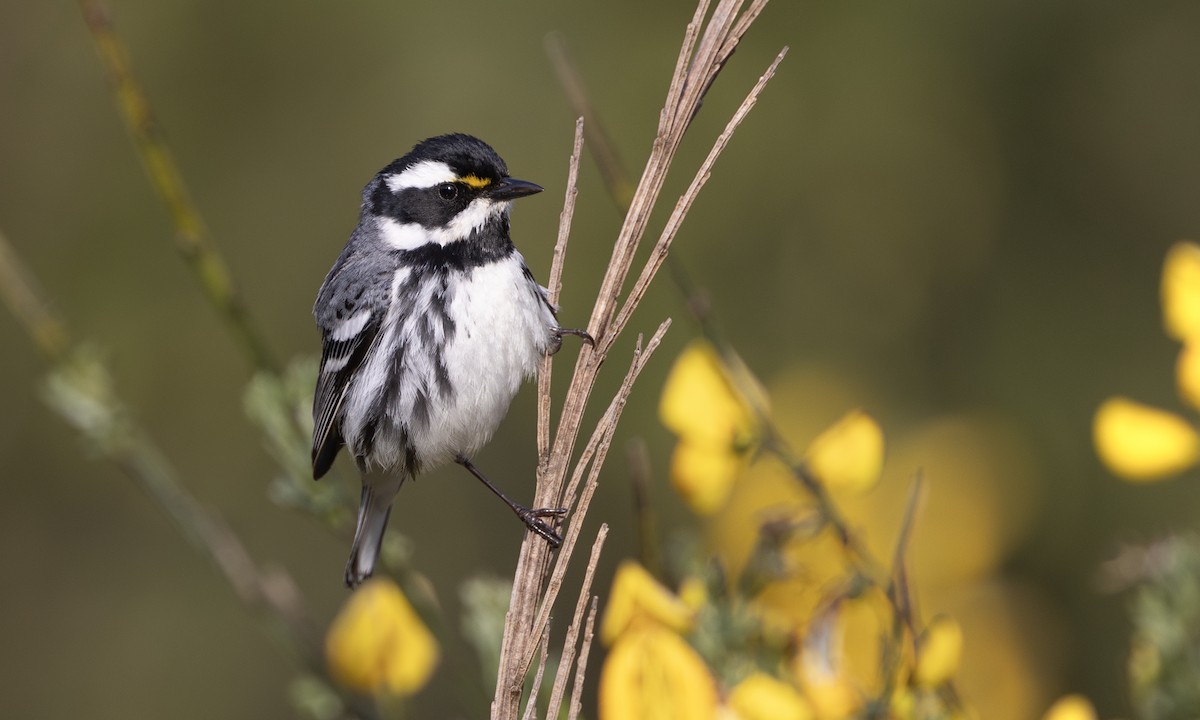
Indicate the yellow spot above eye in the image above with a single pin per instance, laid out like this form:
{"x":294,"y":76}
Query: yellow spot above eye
{"x":475,"y":181}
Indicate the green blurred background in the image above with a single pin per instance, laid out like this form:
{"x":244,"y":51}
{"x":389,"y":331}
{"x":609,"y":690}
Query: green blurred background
{"x":953,"y":213}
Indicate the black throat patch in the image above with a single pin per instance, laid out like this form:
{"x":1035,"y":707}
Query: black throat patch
{"x":485,"y":245}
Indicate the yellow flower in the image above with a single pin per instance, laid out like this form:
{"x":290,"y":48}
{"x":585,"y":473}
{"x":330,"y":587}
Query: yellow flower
{"x":1139,"y":442}
{"x":849,"y":454}
{"x":377,"y":644}
{"x":762,"y":697}
{"x":1181,"y":291}
{"x":693,"y":594}
{"x":652,"y":674}
{"x":1071,"y":707}
{"x":1187,"y":373}
{"x":700,"y":403}
{"x":940,"y":652}
{"x":703,"y":475}
{"x":833,"y":697}
{"x":839,"y":655}
{"x":637,"y":600}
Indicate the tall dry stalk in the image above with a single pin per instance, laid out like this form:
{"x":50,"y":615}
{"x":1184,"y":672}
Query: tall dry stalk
{"x":538,"y":580}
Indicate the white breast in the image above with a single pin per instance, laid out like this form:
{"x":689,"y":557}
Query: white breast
{"x":501,"y":330}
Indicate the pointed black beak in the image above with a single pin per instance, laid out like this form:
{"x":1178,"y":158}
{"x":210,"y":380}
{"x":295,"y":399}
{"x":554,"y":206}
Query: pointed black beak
{"x":511,"y":189}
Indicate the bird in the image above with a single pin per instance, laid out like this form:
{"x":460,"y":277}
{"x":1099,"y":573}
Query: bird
{"x":430,"y":321}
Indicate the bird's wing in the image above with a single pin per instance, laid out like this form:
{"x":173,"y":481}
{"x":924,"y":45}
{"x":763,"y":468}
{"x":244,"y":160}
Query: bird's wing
{"x":346,"y":345}
{"x":542,"y":293}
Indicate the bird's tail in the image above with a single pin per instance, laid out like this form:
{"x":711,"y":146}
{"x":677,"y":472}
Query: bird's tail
{"x":373,"y":511}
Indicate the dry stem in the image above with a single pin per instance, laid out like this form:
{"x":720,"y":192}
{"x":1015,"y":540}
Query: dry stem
{"x":705,"y":49}
{"x":567,"y":659}
{"x":581,"y":666}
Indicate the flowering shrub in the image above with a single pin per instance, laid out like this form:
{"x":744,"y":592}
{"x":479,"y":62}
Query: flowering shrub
{"x":801,"y":621}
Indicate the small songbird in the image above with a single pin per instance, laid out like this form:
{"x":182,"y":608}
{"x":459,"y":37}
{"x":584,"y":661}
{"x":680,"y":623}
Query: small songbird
{"x":430,"y":321}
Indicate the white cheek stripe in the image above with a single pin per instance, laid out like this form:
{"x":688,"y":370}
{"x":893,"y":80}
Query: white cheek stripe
{"x":402,"y":236}
{"x":410,"y":236}
{"x":424,"y":174}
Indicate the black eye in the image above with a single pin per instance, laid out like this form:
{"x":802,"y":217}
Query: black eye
{"x":447,"y":191}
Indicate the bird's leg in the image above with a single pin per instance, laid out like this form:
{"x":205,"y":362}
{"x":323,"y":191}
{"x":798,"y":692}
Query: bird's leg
{"x":530,"y":516}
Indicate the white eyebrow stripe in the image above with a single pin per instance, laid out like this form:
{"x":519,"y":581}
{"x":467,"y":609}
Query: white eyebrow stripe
{"x":424,"y":174}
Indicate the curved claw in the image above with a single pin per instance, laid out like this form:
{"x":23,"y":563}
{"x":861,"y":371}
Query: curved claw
{"x":547,"y":533}
{"x":579,"y":333}
{"x":556,"y":339}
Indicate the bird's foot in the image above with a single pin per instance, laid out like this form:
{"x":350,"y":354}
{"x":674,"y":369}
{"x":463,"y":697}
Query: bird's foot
{"x":579,"y":333}
{"x":556,"y":342}
{"x":532,"y":517}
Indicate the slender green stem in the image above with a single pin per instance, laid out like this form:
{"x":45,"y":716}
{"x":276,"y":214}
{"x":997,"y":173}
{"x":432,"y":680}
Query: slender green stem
{"x":81,"y":391}
{"x":23,"y":297}
{"x":191,"y":237}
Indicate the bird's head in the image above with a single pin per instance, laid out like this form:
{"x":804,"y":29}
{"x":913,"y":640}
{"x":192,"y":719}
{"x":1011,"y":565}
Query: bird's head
{"x":447,"y":188}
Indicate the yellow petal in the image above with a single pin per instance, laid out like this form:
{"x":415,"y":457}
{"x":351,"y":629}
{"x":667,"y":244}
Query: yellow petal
{"x":833,"y":697}
{"x":1071,"y":707}
{"x":699,"y":404}
{"x":693,"y":593}
{"x":652,"y":674}
{"x":762,"y":697}
{"x":849,"y":455}
{"x":703,"y":474}
{"x":1181,"y":291}
{"x":940,"y":652}
{"x":378,"y":644}
{"x":1139,"y":442}
{"x":1187,"y":373}
{"x":638,"y":600}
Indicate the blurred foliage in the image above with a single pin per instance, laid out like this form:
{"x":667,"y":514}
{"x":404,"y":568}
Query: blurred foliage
{"x":281,"y":407}
{"x":1164,"y":659}
{"x":952,"y":216}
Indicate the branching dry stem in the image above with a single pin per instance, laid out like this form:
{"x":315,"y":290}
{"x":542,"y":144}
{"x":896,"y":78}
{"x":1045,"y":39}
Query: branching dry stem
{"x":539,"y":576}
{"x":567,"y":659}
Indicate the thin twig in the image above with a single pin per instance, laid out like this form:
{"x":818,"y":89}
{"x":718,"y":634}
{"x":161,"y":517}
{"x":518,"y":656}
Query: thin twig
{"x":899,"y":590}
{"x":535,"y":688}
{"x":899,"y":596}
{"x":20,"y":292}
{"x":663,"y":246}
{"x":599,"y":144}
{"x":554,"y":289}
{"x":643,"y":512}
{"x":581,"y":665}
{"x":567,"y":660}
